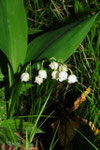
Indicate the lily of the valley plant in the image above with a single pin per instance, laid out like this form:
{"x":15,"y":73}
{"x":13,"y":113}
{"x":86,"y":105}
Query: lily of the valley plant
{"x":59,"y":73}
{"x":17,"y":55}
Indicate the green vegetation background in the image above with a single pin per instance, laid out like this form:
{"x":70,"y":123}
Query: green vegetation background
{"x":44,"y":16}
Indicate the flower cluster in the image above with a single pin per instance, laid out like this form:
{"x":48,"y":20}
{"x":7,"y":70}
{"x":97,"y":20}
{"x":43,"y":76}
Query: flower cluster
{"x":42,"y":74}
{"x":59,"y":72}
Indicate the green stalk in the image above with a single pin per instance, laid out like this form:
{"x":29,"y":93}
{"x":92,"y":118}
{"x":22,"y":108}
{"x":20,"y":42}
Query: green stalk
{"x":10,"y":76}
{"x":36,"y":122}
{"x":34,"y":128}
{"x":13,"y":99}
{"x":53,"y":139}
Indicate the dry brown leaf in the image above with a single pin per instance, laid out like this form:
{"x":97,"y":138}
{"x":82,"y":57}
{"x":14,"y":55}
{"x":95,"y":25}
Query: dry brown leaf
{"x":21,"y":138}
{"x":80,"y":100}
{"x":91,"y":125}
{"x":66,"y":131}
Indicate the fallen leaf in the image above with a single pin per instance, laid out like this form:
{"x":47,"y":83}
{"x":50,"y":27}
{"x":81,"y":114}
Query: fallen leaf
{"x":91,"y":125}
{"x":79,"y":100}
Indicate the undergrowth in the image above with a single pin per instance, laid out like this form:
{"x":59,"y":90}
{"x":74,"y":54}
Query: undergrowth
{"x":49,"y":15}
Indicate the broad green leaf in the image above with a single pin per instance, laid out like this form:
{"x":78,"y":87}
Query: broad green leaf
{"x":13,"y":31}
{"x":61,"y":43}
{"x":16,"y":125}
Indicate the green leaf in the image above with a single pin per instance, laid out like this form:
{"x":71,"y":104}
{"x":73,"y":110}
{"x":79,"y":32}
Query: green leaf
{"x":16,"y":125}
{"x":19,"y":125}
{"x":25,"y":87}
{"x":1,"y":75}
{"x":78,"y":8}
{"x":13,"y":31}
{"x":61,"y":43}
{"x":5,"y":137}
{"x":3,"y":104}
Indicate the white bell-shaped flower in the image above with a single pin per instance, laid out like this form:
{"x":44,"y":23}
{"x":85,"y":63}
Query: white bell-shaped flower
{"x":42,"y":74}
{"x":38,"y":80}
{"x":24,"y":77}
{"x":55,"y":74}
{"x":63,"y":68}
{"x":72,"y":79}
{"x":62,"y":76}
{"x":53,"y":65}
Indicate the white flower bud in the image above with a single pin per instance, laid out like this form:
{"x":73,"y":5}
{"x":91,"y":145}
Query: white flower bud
{"x":38,"y":66}
{"x":55,"y":75}
{"x":53,"y":65}
{"x":42,"y":74}
{"x":38,"y":80}
{"x":63,"y":68}
{"x":62,"y":76}
{"x":24,"y":77}
{"x":72,"y":79}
